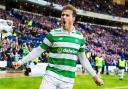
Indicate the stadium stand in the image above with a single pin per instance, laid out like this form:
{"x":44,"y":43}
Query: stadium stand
{"x":98,"y":6}
{"x":31,"y":28}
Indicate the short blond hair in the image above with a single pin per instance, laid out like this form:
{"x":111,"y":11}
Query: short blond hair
{"x":70,"y":7}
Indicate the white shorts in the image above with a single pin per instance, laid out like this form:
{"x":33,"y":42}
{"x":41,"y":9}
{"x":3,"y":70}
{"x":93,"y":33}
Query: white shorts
{"x":50,"y":82}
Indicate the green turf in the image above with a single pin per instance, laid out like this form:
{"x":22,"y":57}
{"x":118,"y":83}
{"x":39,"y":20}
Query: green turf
{"x":82,"y":82}
{"x":86,"y":82}
{"x":20,"y":83}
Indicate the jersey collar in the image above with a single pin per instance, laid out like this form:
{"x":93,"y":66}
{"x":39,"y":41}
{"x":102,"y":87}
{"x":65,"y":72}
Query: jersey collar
{"x":74,"y":30}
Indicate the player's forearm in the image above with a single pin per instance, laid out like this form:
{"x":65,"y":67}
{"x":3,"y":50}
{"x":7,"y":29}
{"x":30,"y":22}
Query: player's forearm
{"x":86,"y":64}
{"x":36,"y":52}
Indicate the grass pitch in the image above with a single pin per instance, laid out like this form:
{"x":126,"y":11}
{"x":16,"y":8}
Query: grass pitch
{"x":81,"y":82}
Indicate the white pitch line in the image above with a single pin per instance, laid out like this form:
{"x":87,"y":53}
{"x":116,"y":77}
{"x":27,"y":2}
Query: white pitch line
{"x":123,"y":87}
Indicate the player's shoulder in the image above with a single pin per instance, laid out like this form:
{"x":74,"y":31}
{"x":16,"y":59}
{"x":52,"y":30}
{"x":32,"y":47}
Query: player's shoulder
{"x":56,"y":30}
{"x":79,"y":33}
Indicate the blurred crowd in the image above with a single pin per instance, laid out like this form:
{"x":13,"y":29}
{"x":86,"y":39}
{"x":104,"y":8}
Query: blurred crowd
{"x":30,"y":29}
{"x":98,"y":6}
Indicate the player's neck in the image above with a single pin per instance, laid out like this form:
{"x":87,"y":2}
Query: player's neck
{"x":69,"y":29}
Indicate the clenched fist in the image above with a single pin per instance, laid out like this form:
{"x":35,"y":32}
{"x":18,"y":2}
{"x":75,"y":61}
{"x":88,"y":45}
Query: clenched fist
{"x":98,"y":81}
{"x":15,"y":65}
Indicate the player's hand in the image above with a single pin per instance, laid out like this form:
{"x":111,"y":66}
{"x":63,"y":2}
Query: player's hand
{"x":98,"y":81}
{"x":15,"y":65}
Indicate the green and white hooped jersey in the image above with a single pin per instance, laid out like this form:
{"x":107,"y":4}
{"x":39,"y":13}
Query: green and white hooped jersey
{"x":64,"y":47}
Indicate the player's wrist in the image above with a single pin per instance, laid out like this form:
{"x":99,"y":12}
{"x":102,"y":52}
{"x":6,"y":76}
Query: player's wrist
{"x":20,"y":62}
{"x":95,"y":77}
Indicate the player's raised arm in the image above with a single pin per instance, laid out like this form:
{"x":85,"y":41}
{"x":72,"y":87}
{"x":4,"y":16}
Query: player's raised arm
{"x":36,"y":52}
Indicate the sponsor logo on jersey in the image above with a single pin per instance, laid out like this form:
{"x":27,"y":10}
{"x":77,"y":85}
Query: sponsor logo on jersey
{"x":66,"y":50}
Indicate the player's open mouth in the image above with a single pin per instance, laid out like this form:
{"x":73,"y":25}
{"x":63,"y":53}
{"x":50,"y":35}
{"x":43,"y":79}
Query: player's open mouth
{"x":64,"y":22}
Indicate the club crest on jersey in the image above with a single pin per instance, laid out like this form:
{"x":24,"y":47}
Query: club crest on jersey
{"x":59,"y":50}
